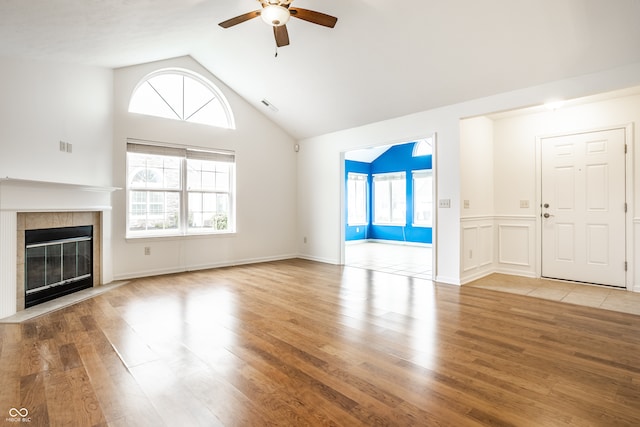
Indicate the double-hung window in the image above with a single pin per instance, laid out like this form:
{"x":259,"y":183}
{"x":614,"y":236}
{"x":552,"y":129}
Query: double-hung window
{"x":390,"y":198}
{"x":179,"y":191}
{"x":423,"y":198}
{"x":356,"y":198}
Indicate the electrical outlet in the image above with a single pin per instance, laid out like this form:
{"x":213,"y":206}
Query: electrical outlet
{"x":304,"y":239}
{"x":466,"y":204}
{"x":147,"y":250}
{"x":524,"y":204}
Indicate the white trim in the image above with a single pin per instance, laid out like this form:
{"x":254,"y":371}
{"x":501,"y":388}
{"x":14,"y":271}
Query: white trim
{"x":226,"y":107}
{"x":163,"y":271}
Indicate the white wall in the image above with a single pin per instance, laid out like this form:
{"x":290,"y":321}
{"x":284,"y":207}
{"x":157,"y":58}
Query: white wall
{"x":515,"y":172}
{"x":319,"y":203}
{"x":319,"y":171}
{"x":477,"y":219}
{"x":43,"y":103}
{"x":265,"y":181}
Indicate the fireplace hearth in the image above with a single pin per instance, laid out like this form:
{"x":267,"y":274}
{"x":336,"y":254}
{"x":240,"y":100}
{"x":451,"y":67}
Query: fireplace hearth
{"x":58,"y":261}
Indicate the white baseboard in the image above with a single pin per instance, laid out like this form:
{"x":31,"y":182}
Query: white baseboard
{"x":183,"y":269}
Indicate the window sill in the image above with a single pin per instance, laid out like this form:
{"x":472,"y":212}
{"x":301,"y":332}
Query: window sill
{"x":169,"y":237}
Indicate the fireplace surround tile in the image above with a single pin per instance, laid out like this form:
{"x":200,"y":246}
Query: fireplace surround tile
{"x":40,"y":220}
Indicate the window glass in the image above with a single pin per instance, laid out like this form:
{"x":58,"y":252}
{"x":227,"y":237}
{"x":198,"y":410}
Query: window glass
{"x":390,"y":198}
{"x":356,"y":199}
{"x":208,"y":184}
{"x":423,"y":147}
{"x":158,"y":203}
{"x":181,"y":95}
{"x":423,"y":198}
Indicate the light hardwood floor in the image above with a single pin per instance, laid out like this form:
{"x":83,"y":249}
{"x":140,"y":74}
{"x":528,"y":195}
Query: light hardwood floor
{"x":415,"y":261}
{"x":303,"y":343}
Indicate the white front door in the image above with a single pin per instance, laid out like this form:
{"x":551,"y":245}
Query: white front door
{"x":583,"y":207}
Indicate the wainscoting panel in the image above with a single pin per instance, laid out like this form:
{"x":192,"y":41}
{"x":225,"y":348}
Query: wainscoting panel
{"x":516,"y":245}
{"x":477,"y":247}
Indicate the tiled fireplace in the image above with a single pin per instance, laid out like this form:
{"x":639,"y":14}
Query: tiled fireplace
{"x":54,"y":221}
{"x":33,"y":205}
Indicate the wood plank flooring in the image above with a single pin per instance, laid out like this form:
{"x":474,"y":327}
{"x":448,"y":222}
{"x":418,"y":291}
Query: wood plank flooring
{"x":302,"y":343}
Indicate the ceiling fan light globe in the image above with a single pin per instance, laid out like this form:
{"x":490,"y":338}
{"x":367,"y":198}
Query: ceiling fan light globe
{"x":275,"y":15}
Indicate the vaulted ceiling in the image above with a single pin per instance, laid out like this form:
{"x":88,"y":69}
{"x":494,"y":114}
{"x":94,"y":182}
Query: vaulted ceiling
{"x":383,"y":59}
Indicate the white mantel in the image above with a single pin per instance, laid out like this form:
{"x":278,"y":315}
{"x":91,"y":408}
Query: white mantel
{"x":19,"y":195}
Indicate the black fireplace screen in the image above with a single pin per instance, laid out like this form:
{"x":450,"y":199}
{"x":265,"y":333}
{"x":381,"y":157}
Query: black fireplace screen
{"x":58,"y":261}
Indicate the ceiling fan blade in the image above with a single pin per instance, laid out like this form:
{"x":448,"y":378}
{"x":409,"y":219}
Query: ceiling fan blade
{"x":313,"y":16}
{"x":282,"y":35}
{"x":239,"y":19}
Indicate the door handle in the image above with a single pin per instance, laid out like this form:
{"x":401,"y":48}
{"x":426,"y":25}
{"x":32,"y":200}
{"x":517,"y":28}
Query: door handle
{"x":547,"y":215}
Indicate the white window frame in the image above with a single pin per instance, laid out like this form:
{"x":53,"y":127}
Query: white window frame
{"x":424,"y":147}
{"x":418,"y":221}
{"x":216,"y":97}
{"x":184,"y":155}
{"x":357,"y":185}
{"x":388,"y":180}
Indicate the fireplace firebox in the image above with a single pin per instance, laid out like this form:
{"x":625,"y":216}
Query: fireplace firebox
{"x":58,"y":261}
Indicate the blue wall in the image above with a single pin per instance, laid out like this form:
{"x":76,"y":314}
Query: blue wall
{"x":396,"y":159}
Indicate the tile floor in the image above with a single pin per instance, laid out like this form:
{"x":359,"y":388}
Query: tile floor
{"x":405,"y":260}
{"x":608,"y":298}
{"x":58,"y":303}
{"x":416,"y":261}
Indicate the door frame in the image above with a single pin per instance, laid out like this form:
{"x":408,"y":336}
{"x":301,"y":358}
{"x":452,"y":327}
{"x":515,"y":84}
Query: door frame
{"x":628,"y":141}
{"x":434,"y":183}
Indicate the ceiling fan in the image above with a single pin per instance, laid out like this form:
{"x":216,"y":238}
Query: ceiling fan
{"x":277,"y":13}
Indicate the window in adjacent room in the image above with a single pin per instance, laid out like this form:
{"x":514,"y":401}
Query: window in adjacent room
{"x":389,"y":198}
{"x":356,"y":198}
{"x":422,"y":198}
{"x":424,"y":147}
{"x":181,"y":95}
{"x":179,"y":191}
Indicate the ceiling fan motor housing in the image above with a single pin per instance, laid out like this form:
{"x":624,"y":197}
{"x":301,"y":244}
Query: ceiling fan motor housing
{"x":275,"y":15}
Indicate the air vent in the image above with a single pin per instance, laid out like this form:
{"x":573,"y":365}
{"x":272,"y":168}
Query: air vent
{"x":270,"y":105}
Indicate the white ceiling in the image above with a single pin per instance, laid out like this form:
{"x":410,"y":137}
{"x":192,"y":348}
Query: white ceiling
{"x":383,"y":59}
{"x":366,"y":155}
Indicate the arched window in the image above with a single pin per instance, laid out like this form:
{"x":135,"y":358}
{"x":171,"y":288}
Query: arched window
{"x":424,"y":147}
{"x":181,"y":95}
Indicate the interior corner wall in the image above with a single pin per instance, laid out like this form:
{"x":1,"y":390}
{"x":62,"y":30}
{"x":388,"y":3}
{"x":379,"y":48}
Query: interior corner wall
{"x":44,"y":103}
{"x":399,"y":158}
{"x":515,"y":175}
{"x":320,"y":167}
{"x":477,"y":229}
{"x":320,"y":180}
{"x":265,"y":183}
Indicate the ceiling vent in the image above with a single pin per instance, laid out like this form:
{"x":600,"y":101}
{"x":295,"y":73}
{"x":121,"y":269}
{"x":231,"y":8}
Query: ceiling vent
{"x":270,"y":105}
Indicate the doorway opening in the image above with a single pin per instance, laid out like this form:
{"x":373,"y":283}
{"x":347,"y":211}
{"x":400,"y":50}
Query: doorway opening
{"x":388,"y":214}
